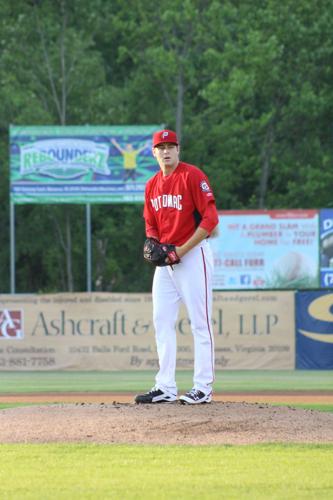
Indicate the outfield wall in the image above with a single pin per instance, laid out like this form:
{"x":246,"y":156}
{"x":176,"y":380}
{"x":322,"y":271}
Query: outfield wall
{"x":108,"y":331}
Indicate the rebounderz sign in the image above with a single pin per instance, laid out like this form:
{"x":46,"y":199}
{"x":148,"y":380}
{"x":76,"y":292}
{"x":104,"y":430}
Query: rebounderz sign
{"x":80,"y":164}
{"x":63,"y":159}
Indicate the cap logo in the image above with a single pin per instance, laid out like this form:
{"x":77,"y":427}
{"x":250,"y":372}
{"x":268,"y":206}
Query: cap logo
{"x":165,"y":134}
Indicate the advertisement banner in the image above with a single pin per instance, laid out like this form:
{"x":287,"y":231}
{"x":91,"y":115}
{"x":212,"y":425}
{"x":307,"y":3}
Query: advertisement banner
{"x":80,"y":164}
{"x":314,"y":330}
{"x":108,"y":331}
{"x":254,"y":330}
{"x":261,"y":249}
{"x":326,"y":247}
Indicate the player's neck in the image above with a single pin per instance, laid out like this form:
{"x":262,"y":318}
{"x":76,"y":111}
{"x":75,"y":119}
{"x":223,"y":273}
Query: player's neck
{"x":168,"y":169}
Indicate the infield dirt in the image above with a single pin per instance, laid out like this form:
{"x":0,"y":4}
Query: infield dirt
{"x":96,"y":418}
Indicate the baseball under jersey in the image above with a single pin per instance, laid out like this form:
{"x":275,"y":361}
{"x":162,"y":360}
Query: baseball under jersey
{"x":176,"y":204}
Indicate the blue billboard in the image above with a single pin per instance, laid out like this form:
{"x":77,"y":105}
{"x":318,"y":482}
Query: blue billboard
{"x":314,"y":330}
{"x":326,"y":247}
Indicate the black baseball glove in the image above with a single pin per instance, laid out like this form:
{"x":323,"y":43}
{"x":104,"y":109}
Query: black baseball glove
{"x":156,"y":253}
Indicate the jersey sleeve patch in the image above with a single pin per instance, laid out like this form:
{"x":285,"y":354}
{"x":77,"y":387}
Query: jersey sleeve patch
{"x":204,"y":186}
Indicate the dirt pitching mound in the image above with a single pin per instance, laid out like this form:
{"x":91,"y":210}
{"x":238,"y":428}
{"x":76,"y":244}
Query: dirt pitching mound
{"x":216,"y":423}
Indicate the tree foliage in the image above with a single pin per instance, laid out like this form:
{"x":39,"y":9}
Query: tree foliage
{"x":248,"y":85}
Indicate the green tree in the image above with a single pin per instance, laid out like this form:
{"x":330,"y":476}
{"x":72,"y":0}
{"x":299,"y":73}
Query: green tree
{"x":267,"y":102}
{"x":247,"y":85}
{"x":57,"y":69}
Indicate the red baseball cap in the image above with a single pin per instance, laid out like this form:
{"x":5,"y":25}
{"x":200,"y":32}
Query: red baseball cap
{"x":164,"y":136}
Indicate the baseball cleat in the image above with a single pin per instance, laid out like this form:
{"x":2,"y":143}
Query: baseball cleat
{"x":195,"y":397}
{"x":155,"y":395}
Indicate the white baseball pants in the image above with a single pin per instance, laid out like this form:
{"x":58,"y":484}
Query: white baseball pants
{"x":190,"y":281}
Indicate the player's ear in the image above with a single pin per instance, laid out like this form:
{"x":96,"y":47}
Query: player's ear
{"x":153,"y":151}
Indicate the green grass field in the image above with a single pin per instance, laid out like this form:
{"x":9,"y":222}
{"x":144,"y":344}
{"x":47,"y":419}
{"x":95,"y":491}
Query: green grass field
{"x":133,"y":381}
{"x":88,"y":471}
{"x":155,"y":472}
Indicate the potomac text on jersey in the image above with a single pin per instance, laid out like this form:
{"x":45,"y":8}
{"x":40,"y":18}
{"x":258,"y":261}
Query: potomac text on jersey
{"x":167,"y":201}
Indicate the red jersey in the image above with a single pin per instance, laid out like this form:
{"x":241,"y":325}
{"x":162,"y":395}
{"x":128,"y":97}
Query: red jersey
{"x":176,"y":204}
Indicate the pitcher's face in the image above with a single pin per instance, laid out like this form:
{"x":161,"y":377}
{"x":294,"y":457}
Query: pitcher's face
{"x":167,"y":155}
